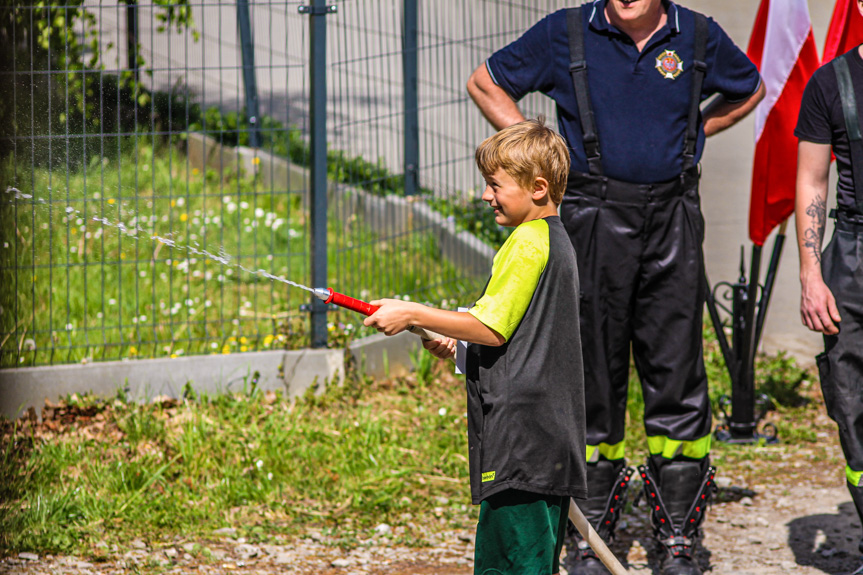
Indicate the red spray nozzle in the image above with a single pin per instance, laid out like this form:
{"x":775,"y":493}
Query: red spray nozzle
{"x":350,"y":303}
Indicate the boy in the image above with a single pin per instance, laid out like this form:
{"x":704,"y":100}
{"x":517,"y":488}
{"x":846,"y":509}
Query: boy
{"x":525,"y":380}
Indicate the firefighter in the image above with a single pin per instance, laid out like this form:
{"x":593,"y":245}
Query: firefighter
{"x":627,"y":78}
{"x":832,"y":282}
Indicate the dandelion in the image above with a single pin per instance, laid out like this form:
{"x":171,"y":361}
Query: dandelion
{"x":256,"y":160}
{"x":111,"y":201}
{"x":268,"y":340}
{"x":195,"y":171}
{"x":184,"y":217}
{"x":133,"y":350}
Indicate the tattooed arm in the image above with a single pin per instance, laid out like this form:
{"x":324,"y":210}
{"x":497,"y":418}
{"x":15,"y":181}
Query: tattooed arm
{"x":817,"y":304}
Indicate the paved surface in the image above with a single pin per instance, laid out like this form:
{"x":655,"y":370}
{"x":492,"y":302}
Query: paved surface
{"x":364,"y":87}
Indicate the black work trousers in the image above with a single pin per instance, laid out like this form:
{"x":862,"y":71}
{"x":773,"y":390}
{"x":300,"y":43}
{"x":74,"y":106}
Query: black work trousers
{"x":841,"y":364}
{"x":641,"y":269}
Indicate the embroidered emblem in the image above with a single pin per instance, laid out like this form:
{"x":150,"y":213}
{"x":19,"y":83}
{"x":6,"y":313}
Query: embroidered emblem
{"x":669,"y":64}
{"x":488,"y":476}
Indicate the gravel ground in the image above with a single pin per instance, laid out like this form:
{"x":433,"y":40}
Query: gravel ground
{"x":754,"y":530}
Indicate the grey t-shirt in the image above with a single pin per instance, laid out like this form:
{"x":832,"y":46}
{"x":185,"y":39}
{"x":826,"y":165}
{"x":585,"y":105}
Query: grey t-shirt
{"x":526,"y":420}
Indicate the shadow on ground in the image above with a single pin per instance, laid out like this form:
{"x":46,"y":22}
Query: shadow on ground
{"x":827,"y":541}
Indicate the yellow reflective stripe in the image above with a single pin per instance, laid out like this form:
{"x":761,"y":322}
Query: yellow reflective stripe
{"x":605,"y":450}
{"x":671,"y":448}
{"x":853,"y":477}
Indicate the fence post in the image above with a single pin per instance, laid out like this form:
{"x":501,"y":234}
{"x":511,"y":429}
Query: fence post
{"x":411,"y":98}
{"x":247,"y":50}
{"x":317,"y":12}
{"x":132,"y":38}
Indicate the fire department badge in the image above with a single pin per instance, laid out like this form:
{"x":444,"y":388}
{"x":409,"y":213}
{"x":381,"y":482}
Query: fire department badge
{"x":669,"y":64}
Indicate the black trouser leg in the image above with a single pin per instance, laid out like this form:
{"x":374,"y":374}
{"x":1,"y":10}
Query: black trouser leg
{"x":608,"y":248}
{"x":667,"y":326}
{"x":841,"y":364}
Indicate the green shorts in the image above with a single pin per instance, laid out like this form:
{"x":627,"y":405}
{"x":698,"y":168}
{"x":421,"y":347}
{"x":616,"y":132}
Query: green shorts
{"x":520,"y":533}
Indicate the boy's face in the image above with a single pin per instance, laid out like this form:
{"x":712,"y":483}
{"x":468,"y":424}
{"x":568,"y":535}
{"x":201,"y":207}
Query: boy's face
{"x":512,"y":204}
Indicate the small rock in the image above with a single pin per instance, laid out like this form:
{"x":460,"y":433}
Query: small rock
{"x":383,"y":529}
{"x":723,"y":482}
{"x":188,"y":547}
{"x":828,"y":552}
{"x":342,"y":563}
{"x":746,"y":501}
{"x":284,"y":558}
{"x":138,"y":544}
{"x":442,"y":500}
{"x":170,"y":552}
{"x":29,"y":556}
{"x":225,"y":531}
{"x":754,"y":541}
{"x":246,"y":551}
{"x":315,"y":536}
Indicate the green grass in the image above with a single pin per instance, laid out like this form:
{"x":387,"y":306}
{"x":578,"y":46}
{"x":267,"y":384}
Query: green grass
{"x":78,"y":289}
{"x":349,"y":459}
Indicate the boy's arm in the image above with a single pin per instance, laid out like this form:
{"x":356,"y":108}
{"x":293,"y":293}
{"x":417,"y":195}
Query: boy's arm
{"x":395,"y":316}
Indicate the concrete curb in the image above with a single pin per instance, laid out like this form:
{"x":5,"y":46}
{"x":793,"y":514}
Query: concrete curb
{"x":292,"y":372}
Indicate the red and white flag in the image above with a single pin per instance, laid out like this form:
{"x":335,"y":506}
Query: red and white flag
{"x":845,"y":31}
{"x":783,"y":48}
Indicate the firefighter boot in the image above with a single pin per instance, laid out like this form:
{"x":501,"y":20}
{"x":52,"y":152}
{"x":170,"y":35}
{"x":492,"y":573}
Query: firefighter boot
{"x":677,"y":503}
{"x":607,"y":482}
{"x":857,"y":496}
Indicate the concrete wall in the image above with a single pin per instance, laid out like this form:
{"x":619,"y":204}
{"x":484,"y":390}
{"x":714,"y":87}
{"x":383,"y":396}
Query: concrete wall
{"x":292,"y":372}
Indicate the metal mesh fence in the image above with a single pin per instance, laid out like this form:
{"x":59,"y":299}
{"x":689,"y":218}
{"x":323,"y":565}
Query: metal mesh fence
{"x":144,"y":212}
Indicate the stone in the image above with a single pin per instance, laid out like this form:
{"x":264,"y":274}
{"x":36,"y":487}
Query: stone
{"x":28,"y":556}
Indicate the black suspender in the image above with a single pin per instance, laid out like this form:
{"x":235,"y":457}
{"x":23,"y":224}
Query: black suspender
{"x":699,"y":68}
{"x":852,"y":125}
{"x":578,"y":71}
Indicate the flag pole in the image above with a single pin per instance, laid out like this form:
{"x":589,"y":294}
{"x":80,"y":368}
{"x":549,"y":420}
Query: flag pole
{"x":770,"y":280}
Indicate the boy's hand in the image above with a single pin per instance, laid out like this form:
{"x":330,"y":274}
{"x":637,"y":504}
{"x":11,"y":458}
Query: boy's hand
{"x":394,"y":316}
{"x":440,"y":348}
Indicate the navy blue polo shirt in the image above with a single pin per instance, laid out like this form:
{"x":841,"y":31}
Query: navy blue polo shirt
{"x":641,"y":107}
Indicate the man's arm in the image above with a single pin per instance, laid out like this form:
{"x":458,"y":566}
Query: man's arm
{"x":494,"y":103}
{"x":721,"y":114}
{"x":817,"y":305}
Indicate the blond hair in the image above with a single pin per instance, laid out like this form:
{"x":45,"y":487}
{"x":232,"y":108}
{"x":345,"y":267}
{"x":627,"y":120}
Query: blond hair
{"x":526,"y":151}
